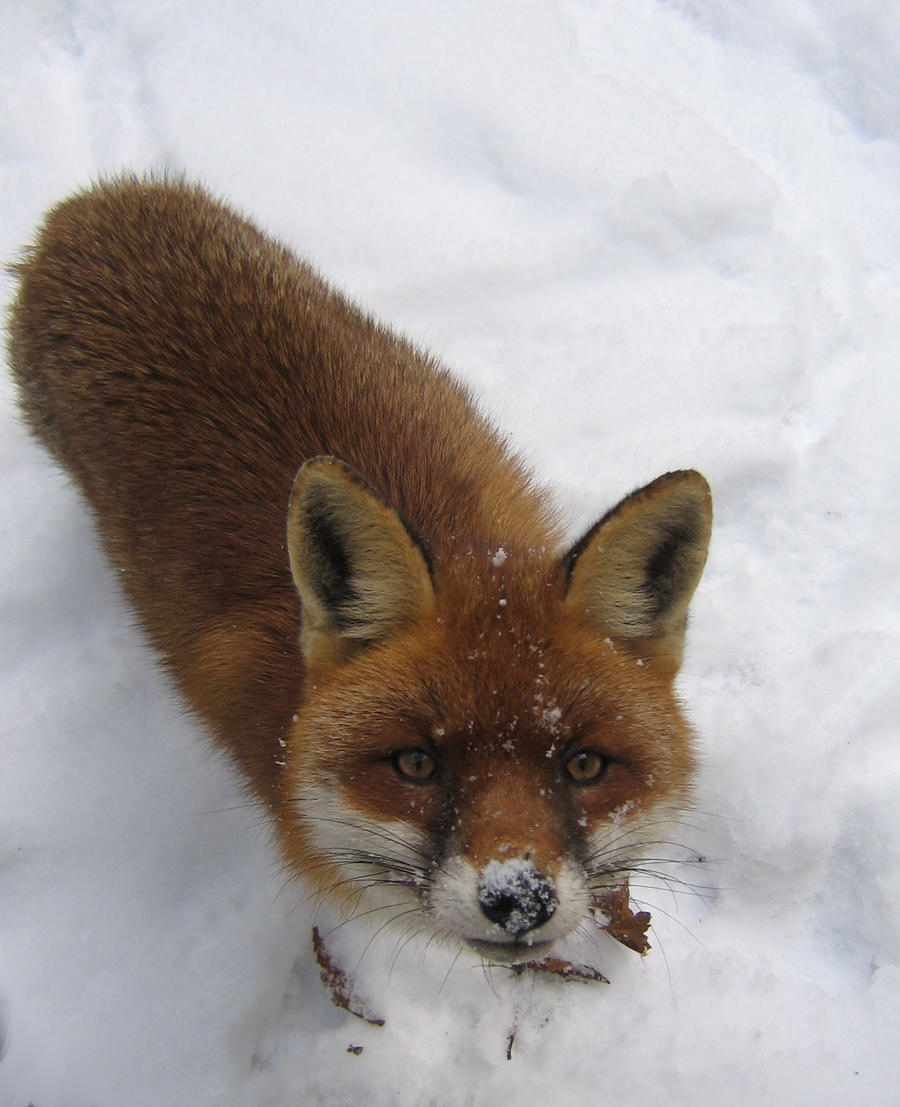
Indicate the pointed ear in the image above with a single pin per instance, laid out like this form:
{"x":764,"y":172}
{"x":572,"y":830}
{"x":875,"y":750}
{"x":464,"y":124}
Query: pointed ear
{"x":633,"y":574}
{"x":360,"y":573}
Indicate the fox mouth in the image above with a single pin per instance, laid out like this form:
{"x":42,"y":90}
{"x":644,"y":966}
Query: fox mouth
{"x":515,"y":952}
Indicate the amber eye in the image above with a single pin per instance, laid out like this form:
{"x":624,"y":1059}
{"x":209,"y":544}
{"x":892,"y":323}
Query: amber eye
{"x":586,"y":766}
{"x":415,"y":765}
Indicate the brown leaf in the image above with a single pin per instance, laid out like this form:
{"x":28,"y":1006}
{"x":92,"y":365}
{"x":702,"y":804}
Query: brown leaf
{"x":339,"y":984}
{"x":568,"y":970}
{"x":623,"y":924}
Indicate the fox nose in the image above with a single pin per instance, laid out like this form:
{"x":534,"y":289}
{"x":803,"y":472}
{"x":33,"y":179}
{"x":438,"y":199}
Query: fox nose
{"x":516,"y":895}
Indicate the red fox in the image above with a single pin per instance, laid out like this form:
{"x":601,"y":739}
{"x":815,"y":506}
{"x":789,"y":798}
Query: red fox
{"x":452,"y":720}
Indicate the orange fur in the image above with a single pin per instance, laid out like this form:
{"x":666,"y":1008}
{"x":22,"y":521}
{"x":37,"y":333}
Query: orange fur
{"x":412,"y":676}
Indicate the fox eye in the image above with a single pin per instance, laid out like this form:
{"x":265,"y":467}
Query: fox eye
{"x":415,"y":765}
{"x":586,"y":766}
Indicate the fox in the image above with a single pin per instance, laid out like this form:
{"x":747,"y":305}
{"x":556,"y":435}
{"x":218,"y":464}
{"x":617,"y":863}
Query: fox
{"x":456,"y":722}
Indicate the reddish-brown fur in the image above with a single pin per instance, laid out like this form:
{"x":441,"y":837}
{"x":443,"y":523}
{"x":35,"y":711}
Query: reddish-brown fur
{"x":182,"y":367}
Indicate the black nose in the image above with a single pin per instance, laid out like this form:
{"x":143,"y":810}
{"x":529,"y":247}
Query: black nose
{"x":516,"y":895}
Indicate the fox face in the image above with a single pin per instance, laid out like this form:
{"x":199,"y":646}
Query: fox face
{"x":490,"y":739}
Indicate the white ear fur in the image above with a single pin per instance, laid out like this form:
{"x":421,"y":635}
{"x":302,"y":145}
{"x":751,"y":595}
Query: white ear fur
{"x":360,"y":573}
{"x":631,"y":577}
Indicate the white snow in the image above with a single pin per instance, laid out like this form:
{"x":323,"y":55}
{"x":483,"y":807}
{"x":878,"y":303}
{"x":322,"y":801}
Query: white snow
{"x":652,"y":234}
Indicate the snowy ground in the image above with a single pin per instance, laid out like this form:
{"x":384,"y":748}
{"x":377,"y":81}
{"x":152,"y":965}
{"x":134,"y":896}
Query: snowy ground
{"x":652,"y":235}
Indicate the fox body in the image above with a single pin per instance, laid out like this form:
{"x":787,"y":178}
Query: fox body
{"x":450,"y":718}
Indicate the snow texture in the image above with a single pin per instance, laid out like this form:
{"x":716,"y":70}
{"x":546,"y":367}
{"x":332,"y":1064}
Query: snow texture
{"x":652,"y":234}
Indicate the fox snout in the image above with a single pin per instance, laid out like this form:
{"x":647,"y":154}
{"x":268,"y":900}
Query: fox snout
{"x":507,"y":909}
{"x":516,"y":896}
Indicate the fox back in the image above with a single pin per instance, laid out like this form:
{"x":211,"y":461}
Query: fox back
{"x":351,"y":579}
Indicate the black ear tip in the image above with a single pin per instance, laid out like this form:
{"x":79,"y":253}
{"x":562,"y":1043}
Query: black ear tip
{"x":686,"y":484}
{"x":699,"y":485}
{"x":685,"y":498}
{"x":318,"y":470}
{"x":331,"y":466}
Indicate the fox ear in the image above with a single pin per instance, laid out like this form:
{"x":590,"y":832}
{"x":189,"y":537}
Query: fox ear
{"x":360,"y":574}
{"x":633,"y":574}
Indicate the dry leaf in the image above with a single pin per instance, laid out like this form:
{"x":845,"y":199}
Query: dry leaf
{"x":568,"y":970}
{"x":624,"y":925}
{"x":338,"y":983}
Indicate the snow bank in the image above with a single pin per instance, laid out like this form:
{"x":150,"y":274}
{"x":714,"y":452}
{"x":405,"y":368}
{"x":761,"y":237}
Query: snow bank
{"x":651,"y":235}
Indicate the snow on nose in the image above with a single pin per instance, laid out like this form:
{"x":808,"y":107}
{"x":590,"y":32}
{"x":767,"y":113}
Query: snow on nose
{"x":516,"y":896}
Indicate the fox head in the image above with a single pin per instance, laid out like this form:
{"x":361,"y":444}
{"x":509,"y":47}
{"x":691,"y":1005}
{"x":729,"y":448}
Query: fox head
{"x":489,"y":739}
